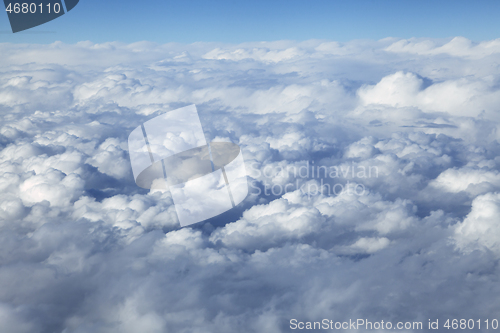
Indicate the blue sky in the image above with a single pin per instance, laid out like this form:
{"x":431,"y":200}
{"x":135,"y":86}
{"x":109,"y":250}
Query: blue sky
{"x":257,"y":20}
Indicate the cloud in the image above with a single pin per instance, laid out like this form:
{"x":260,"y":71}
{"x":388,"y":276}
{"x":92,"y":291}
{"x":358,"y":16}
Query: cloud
{"x":373,"y":170}
{"x":259,"y":54}
{"x":458,"y":46}
{"x":453,"y":180}
{"x":479,"y":230}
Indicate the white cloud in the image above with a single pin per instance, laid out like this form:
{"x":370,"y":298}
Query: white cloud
{"x":368,"y":245}
{"x":83,"y":249}
{"x":480,"y":229}
{"x":52,"y":186}
{"x":456,"y":180}
{"x":458,"y":46}
{"x":259,"y":54}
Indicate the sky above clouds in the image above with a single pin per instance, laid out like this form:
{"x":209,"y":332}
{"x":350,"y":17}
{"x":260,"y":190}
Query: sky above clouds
{"x":259,"y":20}
{"x":83,"y":249}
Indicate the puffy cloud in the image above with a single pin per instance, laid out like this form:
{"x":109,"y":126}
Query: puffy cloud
{"x":111,"y":159}
{"x":373,"y":168}
{"x":259,"y":54}
{"x":480,"y":229}
{"x":52,"y":186}
{"x":456,"y":180}
{"x":458,"y":46}
{"x":368,"y":245}
{"x":460,"y":97}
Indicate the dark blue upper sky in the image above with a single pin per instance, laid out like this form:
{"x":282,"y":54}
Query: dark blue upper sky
{"x":237,"y":21}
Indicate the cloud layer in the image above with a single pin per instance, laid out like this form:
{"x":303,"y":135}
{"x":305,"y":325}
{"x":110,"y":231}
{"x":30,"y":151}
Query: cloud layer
{"x":373,"y":171}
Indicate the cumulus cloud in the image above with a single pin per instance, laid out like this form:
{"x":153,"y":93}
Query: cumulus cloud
{"x":480,"y":229}
{"x":372,"y":165}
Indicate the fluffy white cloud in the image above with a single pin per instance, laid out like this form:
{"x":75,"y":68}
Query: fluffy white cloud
{"x":480,"y":229}
{"x":374,"y":186}
{"x":456,"y":180}
{"x":458,"y":46}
